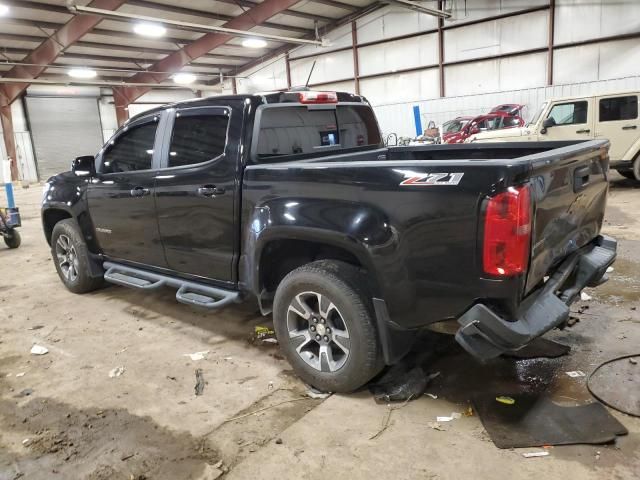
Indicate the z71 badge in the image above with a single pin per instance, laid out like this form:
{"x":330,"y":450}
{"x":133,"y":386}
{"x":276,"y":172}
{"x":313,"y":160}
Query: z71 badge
{"x":431,"y":179}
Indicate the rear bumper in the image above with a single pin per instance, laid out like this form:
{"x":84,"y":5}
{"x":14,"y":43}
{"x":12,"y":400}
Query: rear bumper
{"x":484,"y":334}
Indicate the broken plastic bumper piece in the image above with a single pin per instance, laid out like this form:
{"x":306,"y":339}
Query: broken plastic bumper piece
{"x":485,"y":335}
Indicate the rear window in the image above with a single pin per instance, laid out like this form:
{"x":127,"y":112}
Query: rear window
{"x":619,"y":108}
{"x":301,"y":131}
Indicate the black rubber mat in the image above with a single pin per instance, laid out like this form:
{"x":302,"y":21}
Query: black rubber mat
{"x":533,"y":421}
{"x":540,"y":348}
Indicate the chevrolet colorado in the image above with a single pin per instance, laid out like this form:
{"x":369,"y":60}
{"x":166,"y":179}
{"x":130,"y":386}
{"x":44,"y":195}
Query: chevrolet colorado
{"x":291,"y":198}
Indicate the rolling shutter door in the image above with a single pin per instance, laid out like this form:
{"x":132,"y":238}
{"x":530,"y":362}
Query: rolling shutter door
{"x":63,"y":128}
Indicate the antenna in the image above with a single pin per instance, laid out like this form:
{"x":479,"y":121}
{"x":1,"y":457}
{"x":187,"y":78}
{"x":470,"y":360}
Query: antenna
{"x":310,"y":73}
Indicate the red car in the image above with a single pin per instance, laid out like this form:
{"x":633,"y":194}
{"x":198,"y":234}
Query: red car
{"x":498,"y":119}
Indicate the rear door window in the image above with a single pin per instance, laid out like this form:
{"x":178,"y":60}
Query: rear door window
{"x":298,"y":130}
{"x":197,"y":138}
{"x":619,"y":108}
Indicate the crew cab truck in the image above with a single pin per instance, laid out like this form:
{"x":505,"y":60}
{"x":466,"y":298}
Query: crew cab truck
{"x":611,"y":116}
{"x":291,"y":198}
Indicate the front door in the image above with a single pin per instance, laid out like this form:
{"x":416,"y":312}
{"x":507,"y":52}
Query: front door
{"x":196,"y":192}
{"x":618,"y":122}
{"x":574,"y":121}
{"x":121,"y":197}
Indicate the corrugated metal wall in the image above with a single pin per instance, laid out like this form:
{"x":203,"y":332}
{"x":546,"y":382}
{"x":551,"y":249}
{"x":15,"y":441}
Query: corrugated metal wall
{"x":398,"y":117}
{"x":469,"y":87}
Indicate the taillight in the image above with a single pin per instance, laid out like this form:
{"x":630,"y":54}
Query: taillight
{"x":317,"y":97}
{"x":507,"y":232}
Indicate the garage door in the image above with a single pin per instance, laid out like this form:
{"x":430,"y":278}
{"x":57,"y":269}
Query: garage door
{"x":63,"y":128}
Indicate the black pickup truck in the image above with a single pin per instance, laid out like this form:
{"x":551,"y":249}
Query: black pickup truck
{"x":292,"y":199}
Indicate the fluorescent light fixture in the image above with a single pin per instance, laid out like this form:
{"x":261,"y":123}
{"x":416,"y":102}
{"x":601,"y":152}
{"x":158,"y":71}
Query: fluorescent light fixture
{"x":254,"y":43}
{"x":184,"y":78}
{"x":152,"y":30}
{"x":4,"y":10}
{"x":82,"y":73}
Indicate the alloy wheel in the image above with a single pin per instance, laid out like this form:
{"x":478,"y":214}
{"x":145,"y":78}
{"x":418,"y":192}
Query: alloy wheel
{"x":319,"y":331}
{"x":67,"y":258}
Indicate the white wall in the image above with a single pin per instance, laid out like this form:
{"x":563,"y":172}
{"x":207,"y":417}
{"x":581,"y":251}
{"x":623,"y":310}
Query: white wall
{"x":398,"y":117}
{"x":470,"y":86}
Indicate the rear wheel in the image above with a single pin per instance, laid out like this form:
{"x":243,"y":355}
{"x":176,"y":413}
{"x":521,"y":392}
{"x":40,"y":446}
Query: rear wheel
{"x":13,"y":239}
{"x":71,"y":257}
{"x":627,"y":174}
{"x":324,"y":322}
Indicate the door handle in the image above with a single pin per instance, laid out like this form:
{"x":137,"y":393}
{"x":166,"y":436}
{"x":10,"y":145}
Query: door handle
{"x":629,"y":127}
{"x":584,"y":130}
{"x":139,"y":192}
{"x":210,"y":191}
{"x":581,"y":178}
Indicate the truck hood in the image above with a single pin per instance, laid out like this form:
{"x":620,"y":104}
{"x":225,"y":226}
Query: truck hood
{"x":502,"y":133}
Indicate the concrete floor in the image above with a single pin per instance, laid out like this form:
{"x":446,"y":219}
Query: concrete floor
{"x":76,"y":422}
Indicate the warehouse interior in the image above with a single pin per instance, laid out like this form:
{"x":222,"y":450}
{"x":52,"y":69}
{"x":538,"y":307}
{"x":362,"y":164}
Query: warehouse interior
{"x":101,"y":385}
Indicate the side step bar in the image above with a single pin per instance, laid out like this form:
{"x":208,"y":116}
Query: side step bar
{"x":190,"y":293}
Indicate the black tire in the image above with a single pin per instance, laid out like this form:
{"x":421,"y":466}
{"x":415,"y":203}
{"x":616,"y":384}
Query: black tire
{"x":67,"y":232}
{"x":345,"y":286}
{"x":13,"y":239}
{"x":627,"y":174}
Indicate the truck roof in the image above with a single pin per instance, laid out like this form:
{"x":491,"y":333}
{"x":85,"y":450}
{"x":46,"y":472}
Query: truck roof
{"x":259,"y":97}
{"x":606,"y":94}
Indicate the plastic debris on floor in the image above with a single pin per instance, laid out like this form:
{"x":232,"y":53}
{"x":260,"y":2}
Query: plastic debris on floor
{"x":398,"y":385}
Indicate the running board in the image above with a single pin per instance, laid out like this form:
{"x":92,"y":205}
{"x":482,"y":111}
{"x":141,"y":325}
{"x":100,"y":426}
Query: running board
{"x":190,"y":293}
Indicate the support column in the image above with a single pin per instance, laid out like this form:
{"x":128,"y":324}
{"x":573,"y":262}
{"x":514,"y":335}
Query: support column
{"x":441,"y":50}
{"x":356,"y":63}
{"x":234,"y":86}
{"x":122,"y":106}
{"x":287,"y":67}
{"x":552,"y":28}
{"x":9,"y":137}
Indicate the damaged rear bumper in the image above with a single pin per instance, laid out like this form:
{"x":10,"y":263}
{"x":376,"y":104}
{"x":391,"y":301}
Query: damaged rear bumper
{"x":484,"y":334}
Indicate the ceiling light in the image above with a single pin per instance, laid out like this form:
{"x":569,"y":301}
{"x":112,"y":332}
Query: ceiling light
{"x":184,"y":78}
{"x":254,"y":43}
{"x":152,"y":30}
{"x":82,"y":73}
{"x":4,"y":10}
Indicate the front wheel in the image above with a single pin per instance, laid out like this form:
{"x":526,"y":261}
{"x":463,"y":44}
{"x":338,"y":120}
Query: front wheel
{"x":324,"y":322}
{"x":12,"y":239}
{"x":71,"y":257}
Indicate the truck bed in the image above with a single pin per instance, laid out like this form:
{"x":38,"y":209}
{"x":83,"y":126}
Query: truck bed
{"x":422,"y":240}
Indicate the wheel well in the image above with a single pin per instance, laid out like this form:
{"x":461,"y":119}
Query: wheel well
{"x":280,"y":257}
{"x":50,"y":218}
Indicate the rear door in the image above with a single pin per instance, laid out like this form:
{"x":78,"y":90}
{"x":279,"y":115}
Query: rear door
{"x":121,"y":197}
{"x":574,"y":120}
{"x":196,"y":192}
{"x":618,"y":122}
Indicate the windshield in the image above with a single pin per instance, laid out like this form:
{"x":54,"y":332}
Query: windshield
{"x":454,"y":126}
{"x":535,"y":118}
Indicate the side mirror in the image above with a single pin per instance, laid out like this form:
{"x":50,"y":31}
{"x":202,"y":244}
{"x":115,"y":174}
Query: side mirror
{"x":474,"y":130}
{"x":547,"y":123}
{"x":84,"y":166}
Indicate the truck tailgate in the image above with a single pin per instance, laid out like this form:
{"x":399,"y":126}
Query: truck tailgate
{"x":569,"y":189}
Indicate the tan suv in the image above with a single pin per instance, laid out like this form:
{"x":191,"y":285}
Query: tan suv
{"x":613,"y":116}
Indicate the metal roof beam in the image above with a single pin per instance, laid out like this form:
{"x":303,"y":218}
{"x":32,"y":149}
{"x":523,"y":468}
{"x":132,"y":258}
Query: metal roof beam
{"x":161,"y":7}
{"x":174,"y":62}
{"x":179,"y":24}
{"x":52,"y":47}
